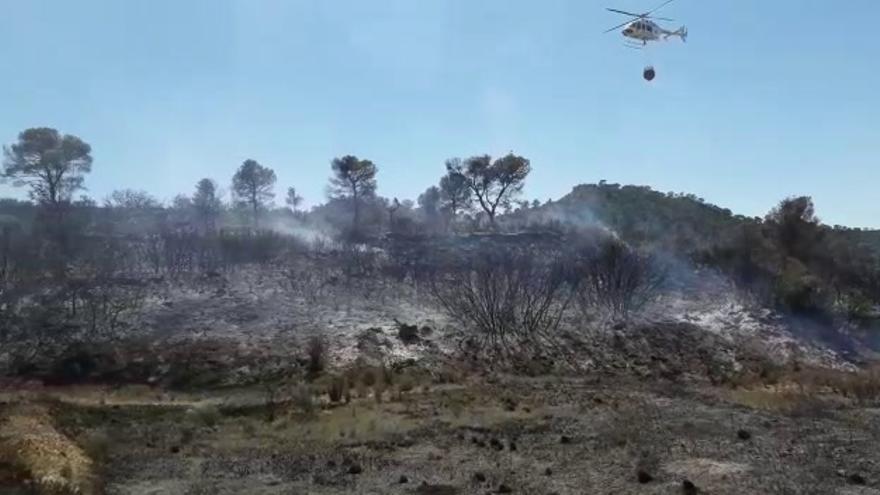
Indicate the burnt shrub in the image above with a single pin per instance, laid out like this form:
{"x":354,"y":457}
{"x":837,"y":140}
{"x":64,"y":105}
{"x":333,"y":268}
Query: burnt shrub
{"x":615,"y":278}
{"x":510,"y":299}
{"x":253,"y":246}
{"x":336,"y":390}
{"x":316,"y":353}
{"x":55,"y":329}
{"x":408,"y":334}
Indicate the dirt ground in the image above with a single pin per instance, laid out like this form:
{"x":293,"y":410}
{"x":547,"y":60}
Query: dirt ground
{"x":646,"y":410}
{"x":495,"y":434}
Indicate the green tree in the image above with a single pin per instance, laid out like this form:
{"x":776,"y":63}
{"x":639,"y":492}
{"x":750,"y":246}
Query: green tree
{"x":494,"y":183}
{"x":795,"y":226}
{"x":353,"y":179}
{"x":51,"y":164}
{"x":207,"y":204}
{"x":252,"y":186}
{"x":293,"y":199}
{"x":455,"y":194}
{"x":429,"y":204}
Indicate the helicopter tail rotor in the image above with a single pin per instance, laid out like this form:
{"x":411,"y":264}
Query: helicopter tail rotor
{"x":681,"y":32}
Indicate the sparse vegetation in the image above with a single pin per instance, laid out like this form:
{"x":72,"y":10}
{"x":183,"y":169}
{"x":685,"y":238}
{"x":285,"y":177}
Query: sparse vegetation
{"x":616,"y":279}
{"x":365,"y":341}
{"x":511,"y":300}
{"x":316,"y":349}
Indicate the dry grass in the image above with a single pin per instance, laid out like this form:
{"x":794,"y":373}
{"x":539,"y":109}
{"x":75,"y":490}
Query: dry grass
{"x":790,"y":401}
{"x":36,"y":451}
{"x":344,"y":424}
{"x":102,"y":396}
{"x":803,"y":390}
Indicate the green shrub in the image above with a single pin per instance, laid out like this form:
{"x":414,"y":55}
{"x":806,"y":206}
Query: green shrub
{"x":798,"y":291}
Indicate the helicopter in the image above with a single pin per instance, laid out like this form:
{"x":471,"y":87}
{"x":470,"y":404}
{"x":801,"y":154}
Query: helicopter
{"x":643,"y":29}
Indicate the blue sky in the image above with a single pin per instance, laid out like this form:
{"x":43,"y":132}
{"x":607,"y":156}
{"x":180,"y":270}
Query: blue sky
{"x":767,"y":99}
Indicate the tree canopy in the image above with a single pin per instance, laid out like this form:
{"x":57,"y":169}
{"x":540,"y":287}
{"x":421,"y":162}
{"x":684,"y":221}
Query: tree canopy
{"x":252,"y":185}
{"x":455,"y":195}
{"x":494,"y":184}
{"x":353,"y":179}
{"x":293,"y":199}
{"x":207,"y":203}
{"x":50,"y":163}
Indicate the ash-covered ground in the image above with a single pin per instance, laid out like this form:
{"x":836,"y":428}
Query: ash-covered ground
{"x":262,"y":380}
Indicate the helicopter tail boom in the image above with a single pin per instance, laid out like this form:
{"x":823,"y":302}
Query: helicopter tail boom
{"x":681,"y":32}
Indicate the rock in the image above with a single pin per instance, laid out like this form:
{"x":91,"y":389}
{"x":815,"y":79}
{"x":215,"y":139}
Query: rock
{"x":643,"y":476}
{"x":175,"y":449}
{"x":565,"y":440}
{"x":502,"y":488}
{"x":743,"y":435}
{"x":857,"y":479}
{"x":355,"y":469}
{"x":496,"y":444}
{"x":479,"y":477}
{"x":426,"y":489}
{"x":408,"y":334}
{"x":512,"y":446}
{"x":688,"y":488}
{"x":403,"y":479}
{"x":548,"y":472}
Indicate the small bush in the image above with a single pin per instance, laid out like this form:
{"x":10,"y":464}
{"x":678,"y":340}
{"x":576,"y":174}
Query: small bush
{"x":97,"y":446}
{"x":303,"y":399}
{"x":207,"y":415}
{"x":378,"y":390}
{"x":248,"y":428}
{"x":863,"y":386}
{"x":346,"y":390}
{"x":512,"y":299}
{"x":316,"y":350}
{"x":360,"y":389}
{"x":405,"y":383}
{"x":799,"y":292}
{"x":186,"y":435}
{"x":616,"y":278}
{"x":336,"y":389}
{"x":385,"y":375}
{"x":368,"y":377}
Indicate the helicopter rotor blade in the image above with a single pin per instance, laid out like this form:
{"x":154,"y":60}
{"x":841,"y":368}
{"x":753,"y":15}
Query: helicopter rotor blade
{"x":664,"y":4}
{"x":615,"y":28}
{"x":660,"y":18}
{"x":624,"y":12}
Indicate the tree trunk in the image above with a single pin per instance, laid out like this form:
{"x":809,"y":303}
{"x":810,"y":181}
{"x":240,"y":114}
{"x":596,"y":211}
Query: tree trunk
{"x":254,"y":204}
{"x":357,"y":212}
